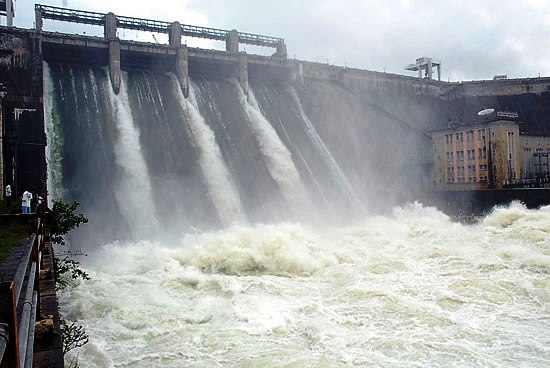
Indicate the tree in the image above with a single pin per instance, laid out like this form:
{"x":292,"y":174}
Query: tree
{"x":67,"y":220}
{"x":67,"y":269}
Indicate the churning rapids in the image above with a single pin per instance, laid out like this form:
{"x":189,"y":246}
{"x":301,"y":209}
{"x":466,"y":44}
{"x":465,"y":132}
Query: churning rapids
{"x":208,"y":244}
{"x":412,"y":289}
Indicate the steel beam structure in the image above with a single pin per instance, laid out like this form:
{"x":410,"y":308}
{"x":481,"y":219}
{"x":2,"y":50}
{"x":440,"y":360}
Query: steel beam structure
{"x":148,"y":25}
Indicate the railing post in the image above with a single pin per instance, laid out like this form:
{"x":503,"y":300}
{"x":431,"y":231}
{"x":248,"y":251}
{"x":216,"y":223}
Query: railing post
{"x":37,"y":256}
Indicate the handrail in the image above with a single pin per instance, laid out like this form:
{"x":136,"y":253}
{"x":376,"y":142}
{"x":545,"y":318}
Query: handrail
{"x":24,"y":322}
{"x":29,"y":356}
{"x":22,"y":268}
{"x":150,"y":25}
{"x":17,"y":334}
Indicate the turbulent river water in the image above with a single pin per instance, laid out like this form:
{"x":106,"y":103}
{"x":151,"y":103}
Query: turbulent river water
{"x":410,"y":289}
{"x":208,"y":240}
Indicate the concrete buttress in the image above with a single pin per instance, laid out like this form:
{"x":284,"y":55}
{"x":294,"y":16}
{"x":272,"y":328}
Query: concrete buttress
{"x":243,"y":72}
{"x":182,"y":69}
{"x":182,"y":65}
{"x":114,"y":51}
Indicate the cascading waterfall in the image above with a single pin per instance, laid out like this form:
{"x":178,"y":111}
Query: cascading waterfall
{"x":54,"y":136}
{"x":324,"y":152}
{"x":134,"y":191}
{"x":278,"y":157}
{"x":221,"y":186}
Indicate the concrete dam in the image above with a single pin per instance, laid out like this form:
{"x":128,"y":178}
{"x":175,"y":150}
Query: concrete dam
{"x":250,"y":210}
{"x":143,"y":134}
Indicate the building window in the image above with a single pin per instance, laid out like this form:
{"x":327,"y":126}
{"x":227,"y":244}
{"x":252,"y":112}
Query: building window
{"x":483,"y":152}
{"x":480,"y":134}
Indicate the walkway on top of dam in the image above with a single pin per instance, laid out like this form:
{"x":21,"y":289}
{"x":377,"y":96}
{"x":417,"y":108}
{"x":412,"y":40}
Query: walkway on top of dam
{"x":148,"y":25}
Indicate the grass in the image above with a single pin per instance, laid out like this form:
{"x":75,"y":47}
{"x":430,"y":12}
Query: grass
{"x":14,"y":208}
{"x":10,"y":234}
{"x":11,"y":231}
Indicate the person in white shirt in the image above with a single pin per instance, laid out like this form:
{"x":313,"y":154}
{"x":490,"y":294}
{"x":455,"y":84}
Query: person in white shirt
{"x":26,"y":202}
{"x":8,"y":195}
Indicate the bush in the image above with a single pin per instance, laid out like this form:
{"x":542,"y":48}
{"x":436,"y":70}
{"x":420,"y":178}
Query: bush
{"x":66,"y":269}
{"x":67,"y":220}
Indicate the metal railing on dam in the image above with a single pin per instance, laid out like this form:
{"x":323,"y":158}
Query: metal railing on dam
{"x":20,"y":298}
{"x":148,"y":25}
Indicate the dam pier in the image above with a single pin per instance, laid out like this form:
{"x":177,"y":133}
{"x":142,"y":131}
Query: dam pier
{"x":114,"y":52}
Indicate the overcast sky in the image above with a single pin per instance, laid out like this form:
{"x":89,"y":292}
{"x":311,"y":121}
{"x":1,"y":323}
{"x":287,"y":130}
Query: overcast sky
{"x":473,"y":39}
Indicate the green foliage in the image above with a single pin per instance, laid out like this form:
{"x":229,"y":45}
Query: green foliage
{"x":14,"y":207}
{"x":10,"y":233}
{"x":67,"y":269}
{"x":73,"y":336}
{"x":67,"y":220}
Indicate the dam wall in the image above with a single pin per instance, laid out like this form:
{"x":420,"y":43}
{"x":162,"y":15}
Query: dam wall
{"x":351,"y":141}
{"x":21,"y":105}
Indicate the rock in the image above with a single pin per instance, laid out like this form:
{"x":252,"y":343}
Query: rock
{"x":43,"y":329}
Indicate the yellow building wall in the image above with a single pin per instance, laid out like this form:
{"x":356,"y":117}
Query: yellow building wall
{"x":502,"y":160}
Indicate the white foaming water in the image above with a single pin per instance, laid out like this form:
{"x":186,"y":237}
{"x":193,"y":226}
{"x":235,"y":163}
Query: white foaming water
{"x":220,"y":185}
{"x":409,"y":290}
{"x":54,"y":136}
{"x":134,"y":191}
{"x":278,"y":157}
{"x":333,"y":166}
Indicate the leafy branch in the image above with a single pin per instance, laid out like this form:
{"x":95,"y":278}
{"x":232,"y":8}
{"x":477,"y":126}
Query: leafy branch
{"x":73,"y":336}
{"x":66,"y":269}
{"x":67,"y":220}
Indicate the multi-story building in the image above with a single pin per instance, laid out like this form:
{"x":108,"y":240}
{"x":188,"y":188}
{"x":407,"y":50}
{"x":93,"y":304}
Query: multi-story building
{"x":489,"y":154}
{"x":536,"y":160}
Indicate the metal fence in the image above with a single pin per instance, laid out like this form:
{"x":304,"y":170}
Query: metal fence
{"x":19,"y":302}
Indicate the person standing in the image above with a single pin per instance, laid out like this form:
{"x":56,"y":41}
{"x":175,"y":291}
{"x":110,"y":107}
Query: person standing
{"x":26,"y":202}
{"x":8,"y":195}
{"x":34,"y":202}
